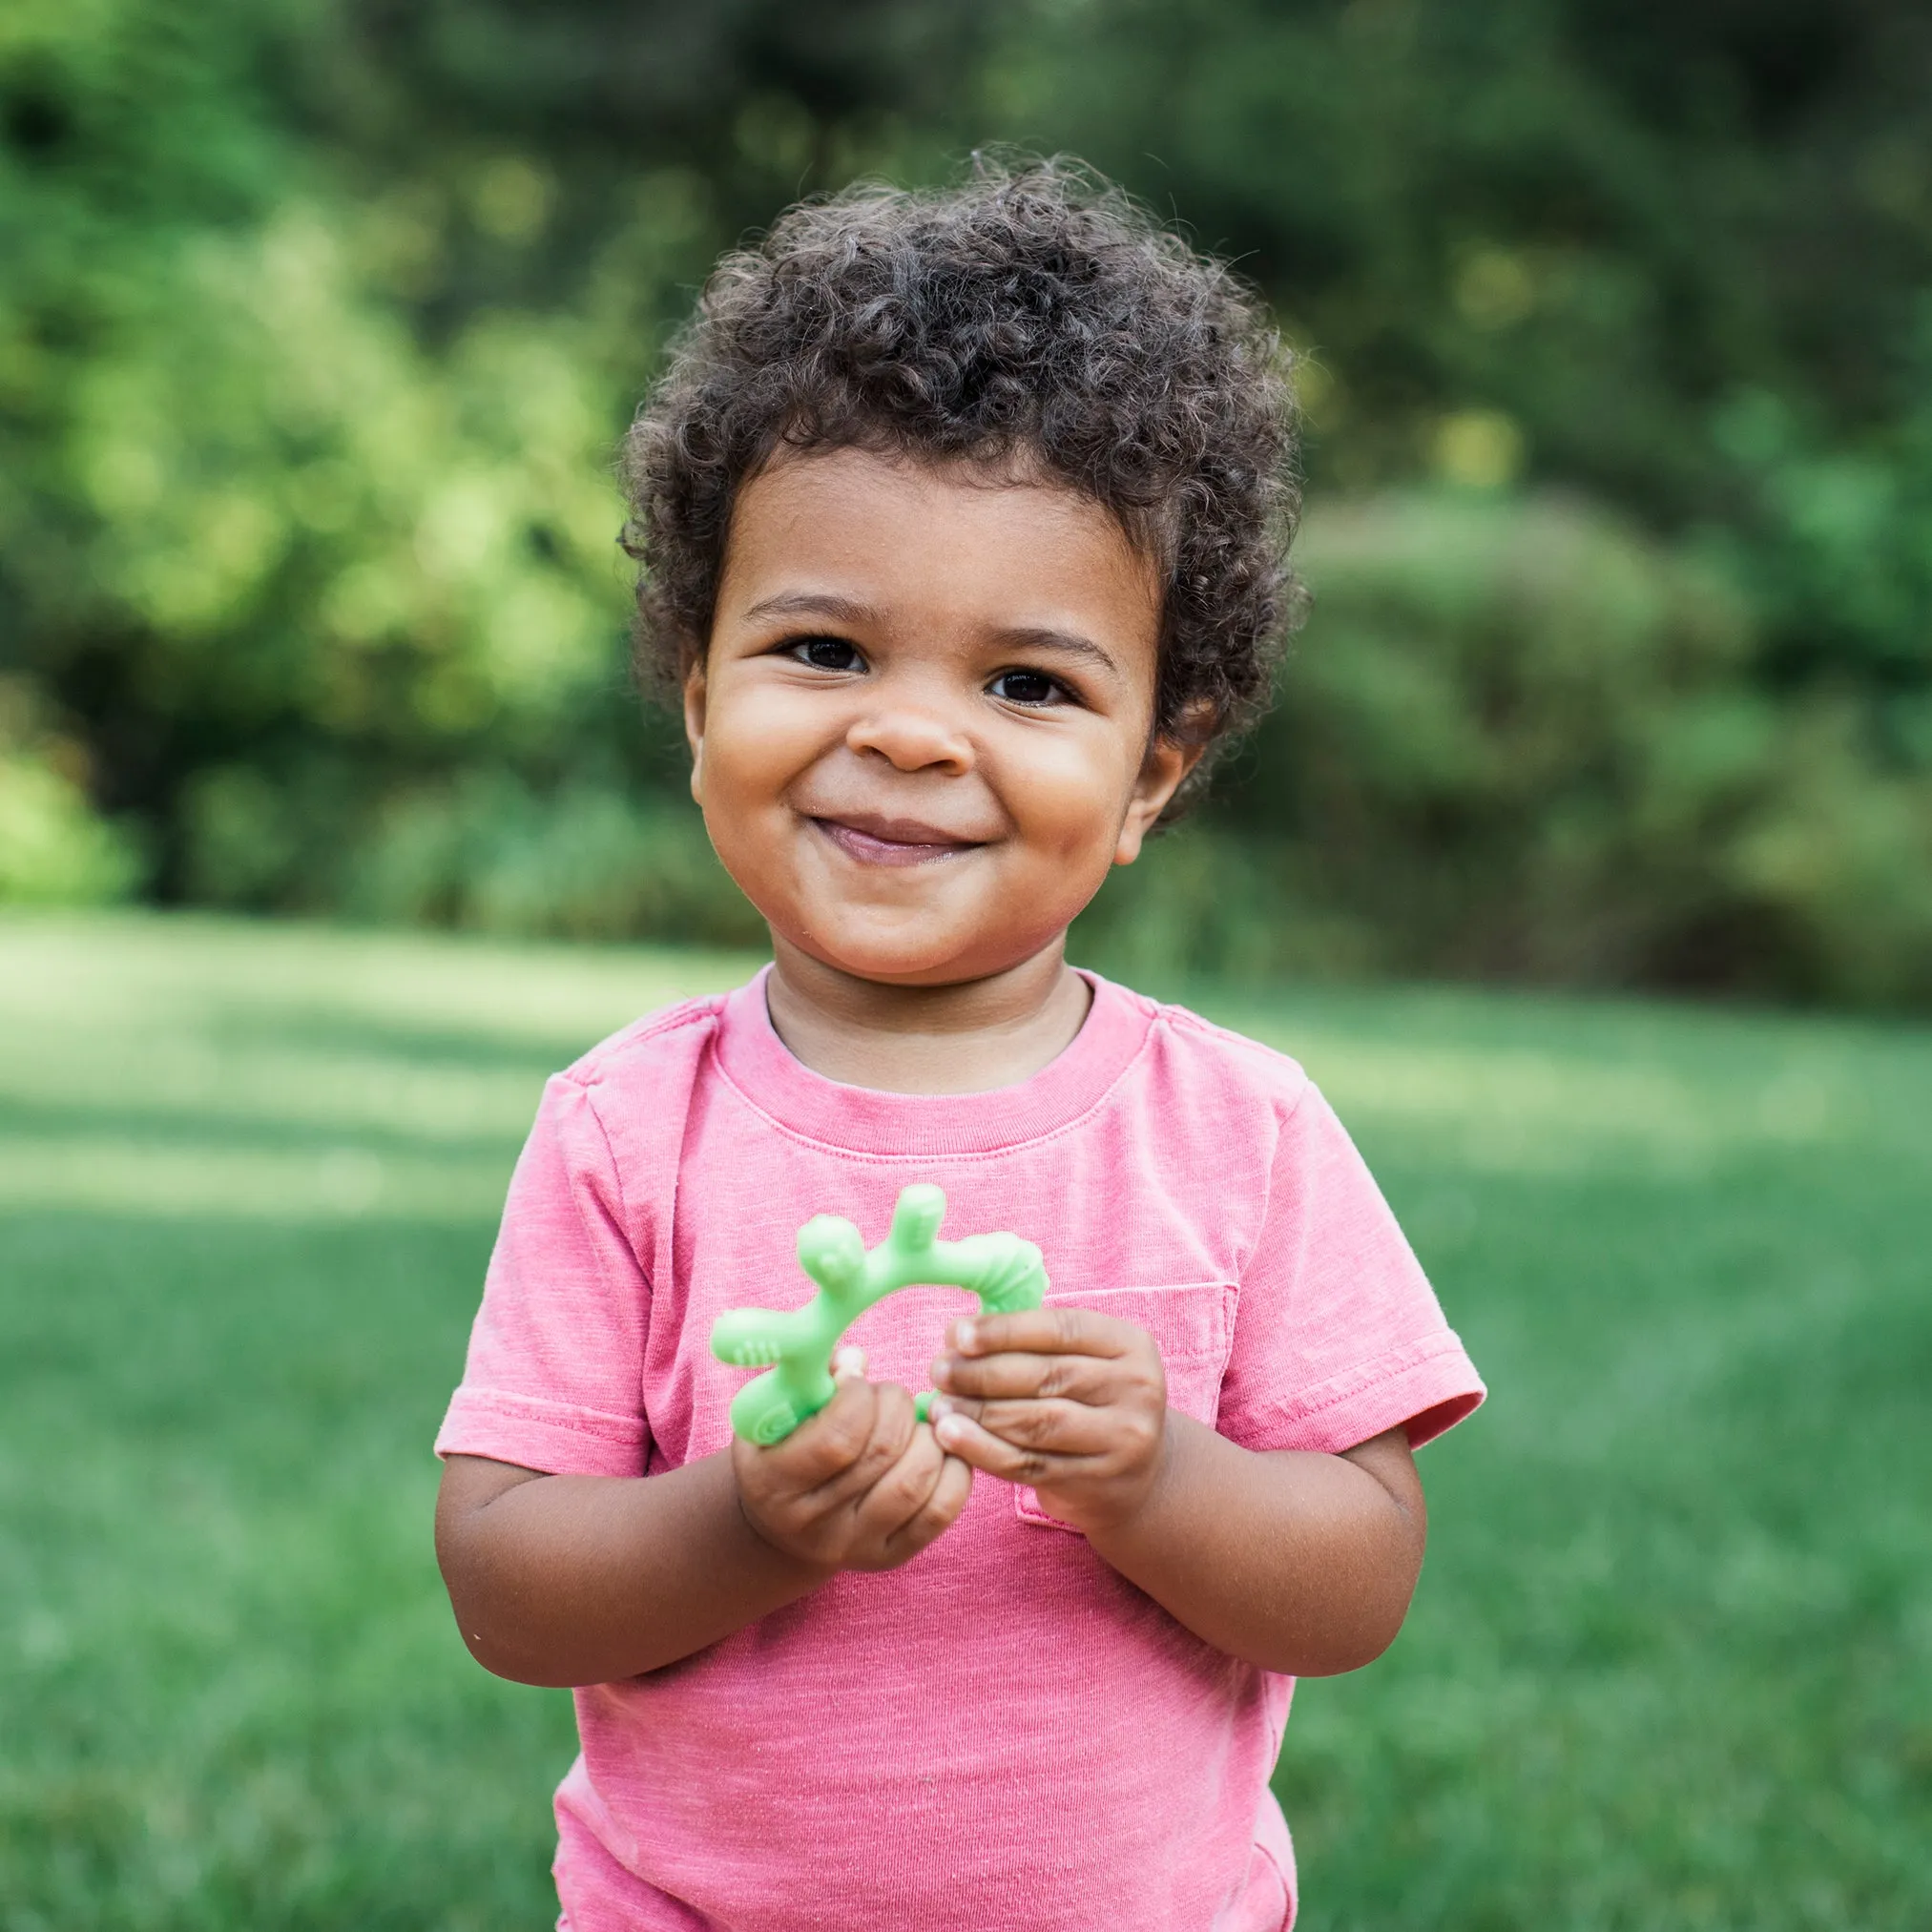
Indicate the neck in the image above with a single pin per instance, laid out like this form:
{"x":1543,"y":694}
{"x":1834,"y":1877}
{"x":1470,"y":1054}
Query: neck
{"x":955,"y":1039}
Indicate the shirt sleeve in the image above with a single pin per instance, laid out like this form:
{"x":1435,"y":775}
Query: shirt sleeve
{"x":1338,"y":1335}
{"x":553,"y":1380}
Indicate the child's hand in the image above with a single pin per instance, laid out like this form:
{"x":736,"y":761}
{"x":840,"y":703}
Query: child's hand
{"x":1071,"y":1402}
{"x":862,"y":1484}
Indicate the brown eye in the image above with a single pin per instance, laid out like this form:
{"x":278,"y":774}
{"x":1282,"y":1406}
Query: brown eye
{"x":827,"y":653}
{"x":1026,"y":687}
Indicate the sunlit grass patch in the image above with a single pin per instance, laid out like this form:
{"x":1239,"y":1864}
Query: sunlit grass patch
{"x":1672,"y":1660}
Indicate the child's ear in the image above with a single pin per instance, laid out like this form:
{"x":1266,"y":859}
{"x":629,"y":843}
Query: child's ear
{"x":1167,"y":763}
{"x":693,"y":721}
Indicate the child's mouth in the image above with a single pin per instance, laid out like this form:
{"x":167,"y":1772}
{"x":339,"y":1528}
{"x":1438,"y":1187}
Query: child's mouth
{"x":893,"y":841}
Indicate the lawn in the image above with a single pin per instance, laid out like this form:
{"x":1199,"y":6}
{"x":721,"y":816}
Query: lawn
{"x":1671,"y":1666}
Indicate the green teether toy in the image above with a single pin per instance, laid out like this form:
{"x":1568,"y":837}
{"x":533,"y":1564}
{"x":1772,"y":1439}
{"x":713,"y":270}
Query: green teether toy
{"x":1005,"y":1271}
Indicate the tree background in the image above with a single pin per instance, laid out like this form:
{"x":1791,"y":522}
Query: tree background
{"x":320,"y":320}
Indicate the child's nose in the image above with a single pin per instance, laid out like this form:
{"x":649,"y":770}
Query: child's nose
{"x":914,"y":738}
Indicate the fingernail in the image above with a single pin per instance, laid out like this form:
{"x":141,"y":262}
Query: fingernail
{"x":941,"y":1370}
{"x":949,"y":1429}
{"x":965,"y":1335}
{"x":849,"y":1361}
{"x":939,"y":1410}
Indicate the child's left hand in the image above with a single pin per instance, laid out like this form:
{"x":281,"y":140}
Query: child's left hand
{"x":1068,"y":1401}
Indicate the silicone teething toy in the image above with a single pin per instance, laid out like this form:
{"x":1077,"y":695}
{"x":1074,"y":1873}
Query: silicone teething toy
{"x":1005,"y":1271}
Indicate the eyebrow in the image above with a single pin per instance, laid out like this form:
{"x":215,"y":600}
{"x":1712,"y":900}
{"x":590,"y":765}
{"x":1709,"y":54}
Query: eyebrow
{"x":1060,"y":643}
{"x":813,"y":603}
{"x":849,"y":610}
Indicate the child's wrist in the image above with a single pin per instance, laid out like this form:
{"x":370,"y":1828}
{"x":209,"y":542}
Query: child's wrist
{"x":1130,"y":1525}
{"x":769,"y":1548}
{"x":764,"y":1548}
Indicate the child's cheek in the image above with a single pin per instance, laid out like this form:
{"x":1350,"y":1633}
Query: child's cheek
{"x":754,"y":749}
{"x":1068,"y":801}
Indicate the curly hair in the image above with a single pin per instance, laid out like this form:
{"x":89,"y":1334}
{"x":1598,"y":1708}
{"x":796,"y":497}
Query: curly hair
{"x":1033,"y":314}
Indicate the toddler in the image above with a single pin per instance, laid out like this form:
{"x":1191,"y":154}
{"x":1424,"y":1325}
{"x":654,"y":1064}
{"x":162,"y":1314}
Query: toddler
{"x":965,"y":518}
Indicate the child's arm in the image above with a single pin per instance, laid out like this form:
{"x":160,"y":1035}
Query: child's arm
{"x":1299,"y":1562}
{"x":587,"y":1579}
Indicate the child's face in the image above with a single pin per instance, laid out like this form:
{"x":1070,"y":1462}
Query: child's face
{"x":922,"y":733}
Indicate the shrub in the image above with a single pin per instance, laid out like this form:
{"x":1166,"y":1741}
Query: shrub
{"x":1518,"y":740}
{"x":587,"y":863}
{"x":54,"y":849}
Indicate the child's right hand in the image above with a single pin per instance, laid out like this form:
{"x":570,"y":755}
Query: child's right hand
{"x":862,"y":1484}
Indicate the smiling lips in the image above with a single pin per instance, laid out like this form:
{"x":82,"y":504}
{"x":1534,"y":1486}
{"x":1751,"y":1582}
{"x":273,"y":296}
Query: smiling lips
{"x":893,"y":841}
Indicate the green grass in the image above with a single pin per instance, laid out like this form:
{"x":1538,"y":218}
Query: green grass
{"x":1672,"y":1661}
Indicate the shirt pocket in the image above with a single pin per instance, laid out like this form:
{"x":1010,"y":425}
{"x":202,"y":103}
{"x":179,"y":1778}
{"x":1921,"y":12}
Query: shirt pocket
{"x":1193,"y":1326}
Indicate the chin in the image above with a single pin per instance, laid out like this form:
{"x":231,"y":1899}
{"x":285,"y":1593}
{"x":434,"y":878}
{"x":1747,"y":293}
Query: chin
{"x":906,"y":966}
{"x":911,"y":958}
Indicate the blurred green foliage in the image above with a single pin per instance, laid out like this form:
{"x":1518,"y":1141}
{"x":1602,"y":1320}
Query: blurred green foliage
{"x":319,"y":318}
{"x":1522,"y":740}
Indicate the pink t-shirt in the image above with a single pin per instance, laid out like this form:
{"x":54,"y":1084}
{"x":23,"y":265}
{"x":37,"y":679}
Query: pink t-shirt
{"x":1003,"y":1733}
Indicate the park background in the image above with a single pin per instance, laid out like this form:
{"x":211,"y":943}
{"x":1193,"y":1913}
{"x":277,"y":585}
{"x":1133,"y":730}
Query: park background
{"x":1587,"y":859}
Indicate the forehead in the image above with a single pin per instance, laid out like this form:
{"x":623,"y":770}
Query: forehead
{"x":928,"y":542}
